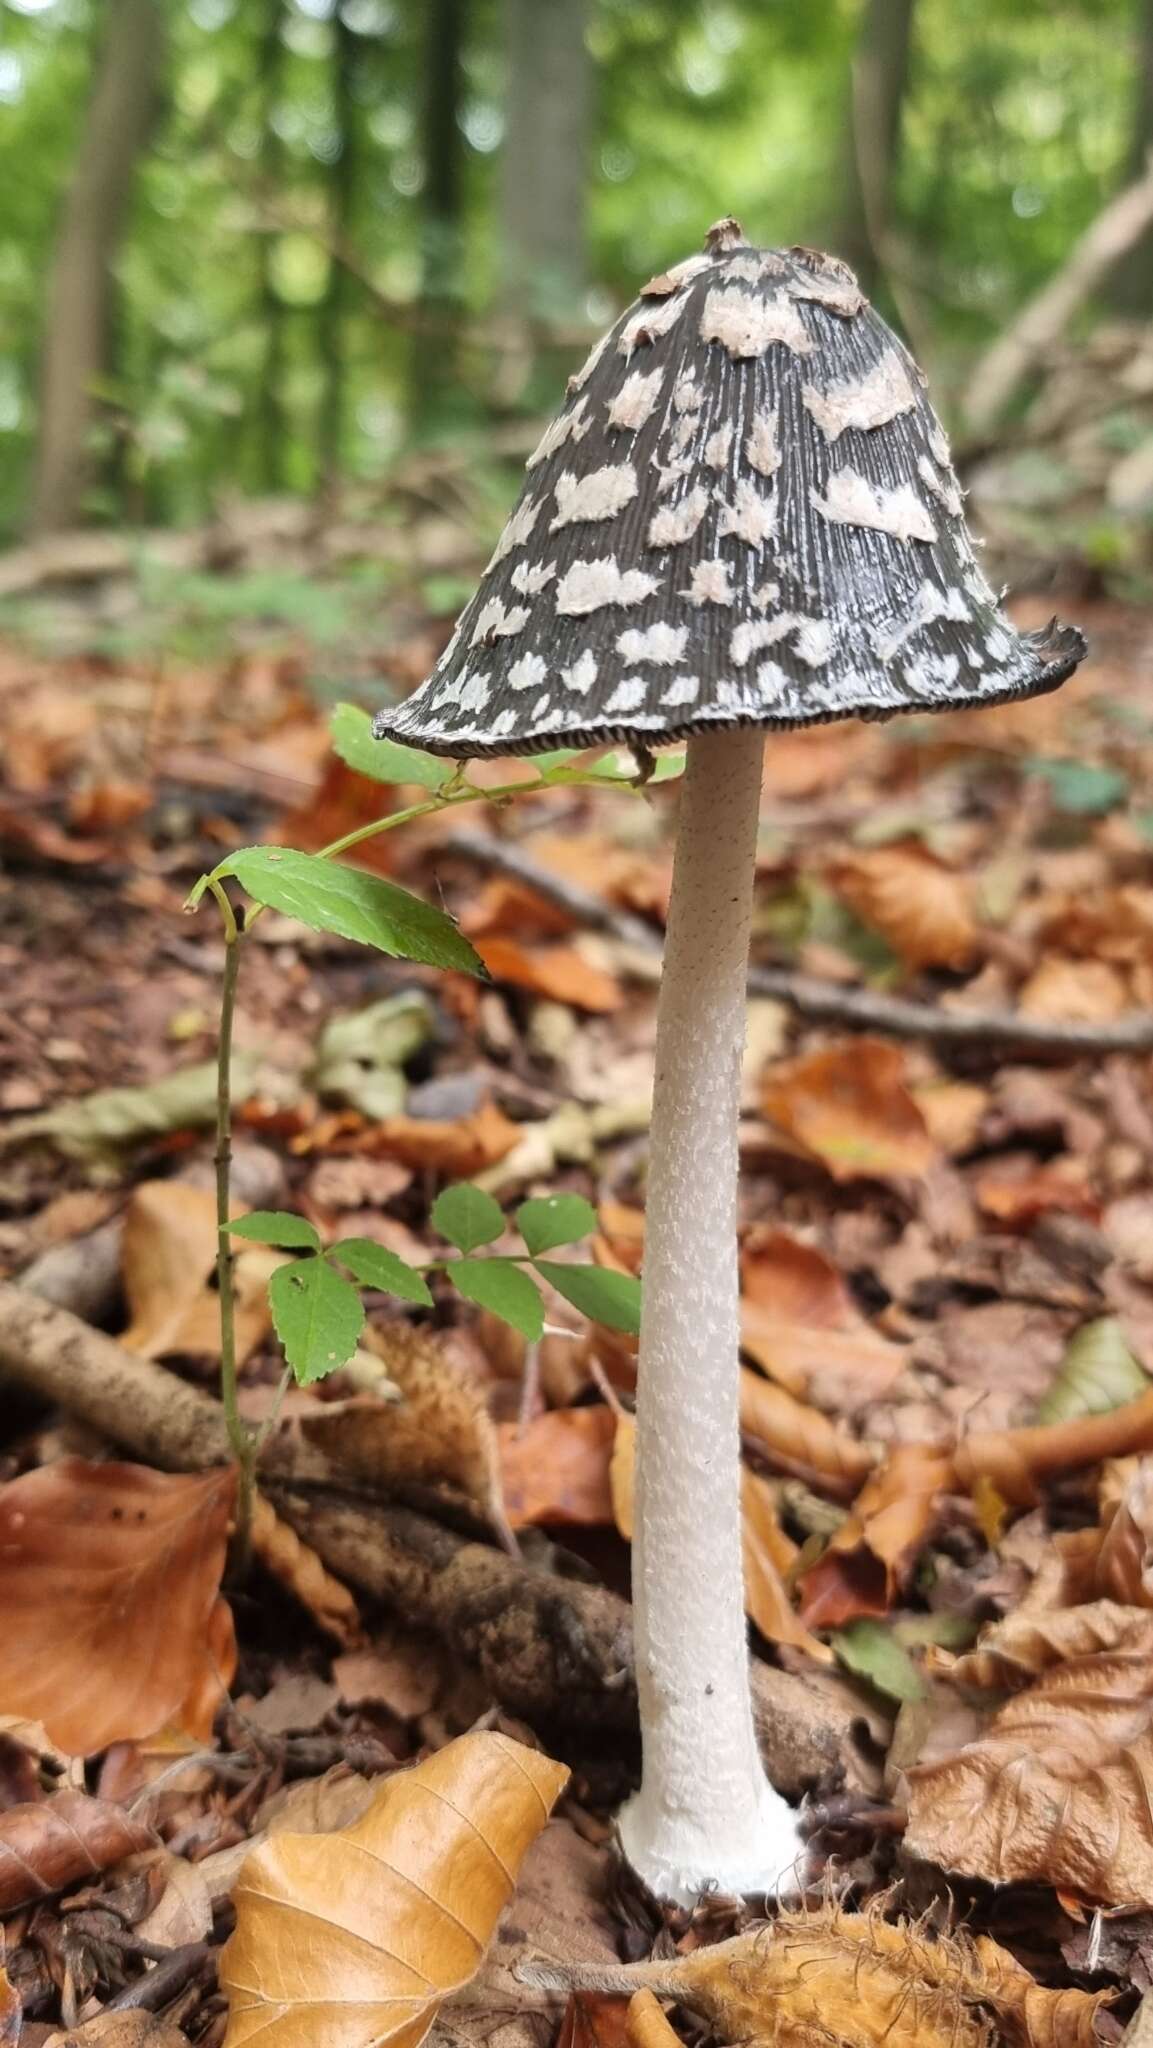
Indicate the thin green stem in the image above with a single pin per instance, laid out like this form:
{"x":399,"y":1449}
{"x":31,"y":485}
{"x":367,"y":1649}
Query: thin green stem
{"x":239,"y":1436}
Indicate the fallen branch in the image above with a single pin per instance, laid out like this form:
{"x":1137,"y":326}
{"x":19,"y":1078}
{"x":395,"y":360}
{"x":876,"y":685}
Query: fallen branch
{"x":826,"y":1002}
{"x":1116,"y":229}
{"x":553,"y":1650}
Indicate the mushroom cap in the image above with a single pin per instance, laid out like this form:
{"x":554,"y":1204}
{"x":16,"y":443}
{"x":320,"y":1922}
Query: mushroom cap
{"x":743,"y":514}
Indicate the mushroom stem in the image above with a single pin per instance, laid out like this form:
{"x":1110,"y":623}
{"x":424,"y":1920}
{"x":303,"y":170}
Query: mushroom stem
{"x":705,"y":1813}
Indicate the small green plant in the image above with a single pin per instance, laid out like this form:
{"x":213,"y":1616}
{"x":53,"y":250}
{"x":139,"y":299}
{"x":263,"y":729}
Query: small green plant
{"x":315,"y":1299}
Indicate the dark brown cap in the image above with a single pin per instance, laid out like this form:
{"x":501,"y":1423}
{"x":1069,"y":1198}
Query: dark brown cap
{"x":744,"y":514}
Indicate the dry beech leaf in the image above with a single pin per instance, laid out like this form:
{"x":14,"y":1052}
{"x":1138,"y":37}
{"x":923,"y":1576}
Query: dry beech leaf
{"x":1057,"y":1789}
{"x":800,"y":1440}
{"x":849,"y":1107}
{"x":832,"y":1979}
{"x":866,"y":1563}
{"x":559,"y":973}
{"x":49,"y":1843}
{"x":1014,"y":1460}
{"x":11,"y":2011}
{"x":922,"y":908}
{"x":802,"y":1327}
{"x":556,"y":1469}
{"x":622,"y":1475}
{"x":456,"y":1150}
{"x":1074,"y":992}
{"x":1018,"y":1195}
{"x":356,"y":1938}
{"x":768,"y":1556}
{"x":1123,"y":1566}
{"x":132,"y":2028}
{"x":954,"y":1112}
{"x":114,"y":1625}
{"x":438,"y":1434}
{"x":168,"y":1254}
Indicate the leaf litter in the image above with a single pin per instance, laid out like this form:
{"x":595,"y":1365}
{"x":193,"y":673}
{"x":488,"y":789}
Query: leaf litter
{"x":948,"y":1325}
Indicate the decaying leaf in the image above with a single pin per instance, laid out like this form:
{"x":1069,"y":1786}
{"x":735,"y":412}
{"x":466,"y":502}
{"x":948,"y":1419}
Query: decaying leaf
{"x":866,"y":1562}
{"x":355,"y":1938}
{"x":49,"y":1843}
{"x":1057,"y":1789}
{"x":1074,"y":992}
{"x":114,"y":1624}
{"x":168,"y":1253}
{"x":1097,"y":1374}
{"x":132,"y":2028}
{"x":849,"y":1107}
{"x":800,"y":1440}
{"x":832,"y":1979}
{"x":559,"y":973}
{"x":11,"y":2012}
{"x":94,"y":1127}
{"x":556,"y":1469}
{"x":1123,"y":1565}
{"x":801,"y":1325}
{"x":768,"y":1556}
{"x":458,"y":1149}
{"x":922,"y":908}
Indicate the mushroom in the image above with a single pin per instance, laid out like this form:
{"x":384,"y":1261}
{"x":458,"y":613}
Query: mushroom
{"x":743,"y":517}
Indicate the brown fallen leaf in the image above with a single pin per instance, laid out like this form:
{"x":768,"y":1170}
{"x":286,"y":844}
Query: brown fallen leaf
{"x":559,"y":973}
{"x":11,"y":2012}
{"x":357,"y":1937}
{"x":924,"y":909}
{"x":593,"y":2020}
{"x":867,"y":1562}
{"x":556,"y":1470}
{"x":1123,"y":1561}
{"x":802,"y":1327}
{"x":49,"y":1843}
{"x":768,"y":1556}
{"x":133,"y":2028}
{"x":1055,"y":1791}
{"x":114,"y":1624}
{"x":456,"y":1149}
{"x":1074,"y":992}
{"x":849,"y":1107}
{"x":168,"y":1255}
{"x":832,"y":1979}
{"x":800,"y":1440}
{"x":1018,"y":1194}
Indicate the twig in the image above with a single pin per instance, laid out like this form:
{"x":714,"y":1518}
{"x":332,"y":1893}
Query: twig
{"x":157,"y":1986}
{"x":240,"y":1437}
{"x":825,"y":1002}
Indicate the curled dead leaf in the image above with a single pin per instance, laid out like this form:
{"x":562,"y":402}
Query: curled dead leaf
{"x":355,"y":1938}
{"x":801,"y":1325}
{"x":922,"y":908}
{"x":114,"y":1624}
{"x":1056,"y":1791}
{"x":49,"y":1843}
{"x":168,"y":1254}
{"x":800,"y":1440}
{"x":849,"y":1107}
{"x":768,"y":1557}
{"x":868,"y":1560}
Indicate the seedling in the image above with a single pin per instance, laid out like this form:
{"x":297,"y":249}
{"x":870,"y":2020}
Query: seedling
{"x":744,"y":517}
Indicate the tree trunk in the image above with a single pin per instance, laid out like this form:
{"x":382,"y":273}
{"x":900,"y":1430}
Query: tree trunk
{"x":545,"y":167}
{"x":268,"y":411}
{"x":434,"y":351}
{"x":1131,"y":287}
{"x":879,"y":77}
{"x":122,"y":112}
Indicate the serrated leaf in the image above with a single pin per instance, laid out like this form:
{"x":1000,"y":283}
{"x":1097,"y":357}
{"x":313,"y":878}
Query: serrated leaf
{"x":333,"y":898}
{"x":871,"y":1650}
{"x":357,"y":1936}
{"x":613,"y":1299}
{"x":549,"y":1220}
{"x":467,"y":1217}
{"x":375,"y":1266}
{"x":1097,"y":1373}
{"x":318,"y":1316}
{"x":506,"y":1290}
{"x":350,"y":730}
{"x":275,"y":1226}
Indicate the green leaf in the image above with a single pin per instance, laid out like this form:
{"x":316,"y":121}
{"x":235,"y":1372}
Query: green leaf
{"x":550,"y":1220}
{"x":334,"y":898}
{"x":506,"y":1290}
{"x":467,"y":1216}
{"x":549,"y":764}
{"x":375,"y":1266}
{"x":871,"y":1650}
{"x":350,"y":729}
{"x":318,"y":1316}
{"x":1097,"y":1373}
{"x":613,"y":1299}
{"x":274,"y":1226}
{"x":1084,"y":789}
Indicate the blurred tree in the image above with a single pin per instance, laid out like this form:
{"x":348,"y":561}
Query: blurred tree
{"x":1131,"y":287}
{"x":122,"y":110}
{"x":434,"y":352}
{"x":880,"y":75}
{"x":545,"y":168}
{"x":268,"y":416}
{"x":332,"y":314}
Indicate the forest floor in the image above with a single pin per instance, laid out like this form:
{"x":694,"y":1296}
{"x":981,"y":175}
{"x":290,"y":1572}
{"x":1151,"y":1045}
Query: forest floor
{"x":947,"y":1261}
